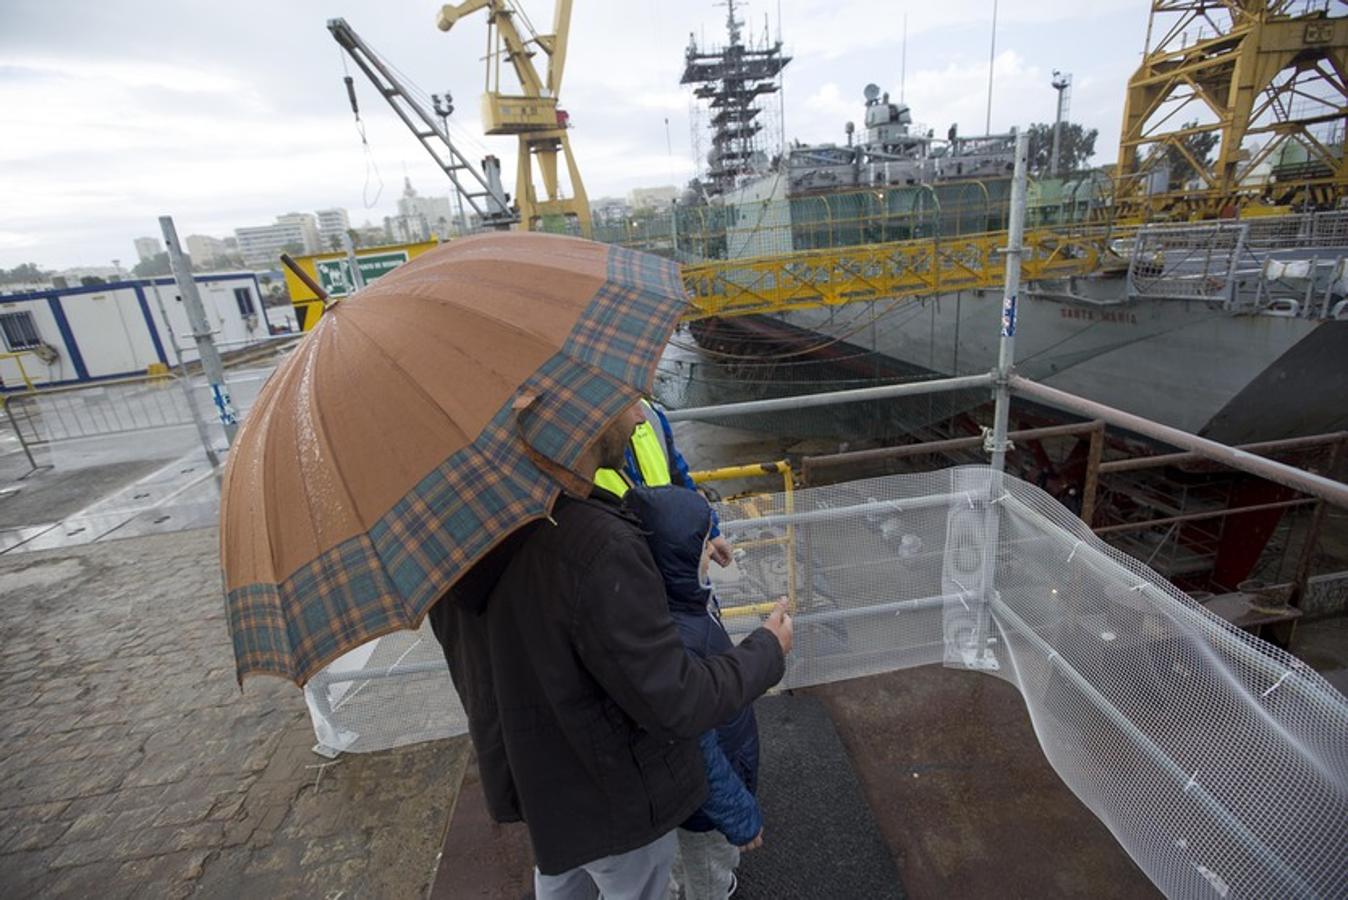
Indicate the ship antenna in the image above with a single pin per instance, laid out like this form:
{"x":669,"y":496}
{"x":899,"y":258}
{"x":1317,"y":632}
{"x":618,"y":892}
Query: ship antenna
{"x":992,"y":56}
{"x":903,"y":58}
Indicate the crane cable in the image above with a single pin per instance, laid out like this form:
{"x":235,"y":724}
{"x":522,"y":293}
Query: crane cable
{"x":370,"y":164}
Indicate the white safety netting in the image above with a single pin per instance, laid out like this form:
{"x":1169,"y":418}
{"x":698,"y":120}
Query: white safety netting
{"x":1219,"y":762}
{"x":393,"y":691}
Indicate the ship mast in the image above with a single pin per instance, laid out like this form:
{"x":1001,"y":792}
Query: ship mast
{"x":732,"y":79}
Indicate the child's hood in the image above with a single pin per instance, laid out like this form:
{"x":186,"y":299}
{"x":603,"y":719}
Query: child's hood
{"x":677,"y":521}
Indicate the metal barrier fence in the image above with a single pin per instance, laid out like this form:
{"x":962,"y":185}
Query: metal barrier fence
{"x":114,"y":407}
{"x":42,"y":417}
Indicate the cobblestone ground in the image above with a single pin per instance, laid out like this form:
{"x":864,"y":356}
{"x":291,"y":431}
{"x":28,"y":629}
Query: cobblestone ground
{"x":131,"y":764}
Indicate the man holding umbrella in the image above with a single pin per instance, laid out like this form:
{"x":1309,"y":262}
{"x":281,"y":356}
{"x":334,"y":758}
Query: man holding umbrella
{"x":585,"y":708}
{"x":430,"y":447}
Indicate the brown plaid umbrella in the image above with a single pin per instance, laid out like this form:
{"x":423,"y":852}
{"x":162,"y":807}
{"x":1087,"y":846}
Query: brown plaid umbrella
{"x":404,"y":437}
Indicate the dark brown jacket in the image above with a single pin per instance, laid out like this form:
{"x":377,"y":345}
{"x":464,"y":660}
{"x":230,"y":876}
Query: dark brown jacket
{"x":583,"y":705}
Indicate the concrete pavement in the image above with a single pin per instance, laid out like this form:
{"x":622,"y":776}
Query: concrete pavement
{"x":131,"y":763}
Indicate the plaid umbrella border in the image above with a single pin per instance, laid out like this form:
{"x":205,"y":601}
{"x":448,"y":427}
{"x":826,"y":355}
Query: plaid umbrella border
{"x":389,"y":577}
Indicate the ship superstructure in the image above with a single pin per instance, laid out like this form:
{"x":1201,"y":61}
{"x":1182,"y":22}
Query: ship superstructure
{"x":894,"y":151}
{"x":1236,"y":327}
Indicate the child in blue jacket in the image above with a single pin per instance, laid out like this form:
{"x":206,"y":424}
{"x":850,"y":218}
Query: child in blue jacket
{"x":678,"y":523}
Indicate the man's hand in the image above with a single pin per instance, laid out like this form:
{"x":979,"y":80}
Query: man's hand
{"x":779,"y":623}
{"x":754,"y":844}
{"x":720,"y":551}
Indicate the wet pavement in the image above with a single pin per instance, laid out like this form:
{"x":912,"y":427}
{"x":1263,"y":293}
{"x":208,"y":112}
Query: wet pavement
{"x":179,"y":495}
{"x":131,"y":764}
{"x":150,"y":481}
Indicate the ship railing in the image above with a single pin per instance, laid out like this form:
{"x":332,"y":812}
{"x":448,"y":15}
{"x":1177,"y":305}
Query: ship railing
{"x":1279,"y":265}
{"x":880,"y":214}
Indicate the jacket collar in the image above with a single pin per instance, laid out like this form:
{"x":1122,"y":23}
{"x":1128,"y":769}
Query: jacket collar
{"x":605,"y":500}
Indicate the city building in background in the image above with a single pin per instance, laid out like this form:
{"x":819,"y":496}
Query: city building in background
{"x":206,"y":251}
{"x":261,"y":245}
{"x":419,"y":218}
{"x":609,"y":211}
{"x":332,"y":224}
{"x":652,"y":197}
{"x":148,"y":248}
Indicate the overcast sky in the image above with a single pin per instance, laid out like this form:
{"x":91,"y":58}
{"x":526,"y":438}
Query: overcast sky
{"x":227,"y":114}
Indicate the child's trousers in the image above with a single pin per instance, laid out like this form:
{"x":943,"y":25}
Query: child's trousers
{"x":705,"y":864}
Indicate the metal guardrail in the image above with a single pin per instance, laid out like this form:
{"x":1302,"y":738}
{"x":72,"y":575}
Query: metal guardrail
{"x":162,"y":398}
{"x":48,"y":415}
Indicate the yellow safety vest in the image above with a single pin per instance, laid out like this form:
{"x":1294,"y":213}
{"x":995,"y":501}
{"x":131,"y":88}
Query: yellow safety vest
{"x":648,"y":446}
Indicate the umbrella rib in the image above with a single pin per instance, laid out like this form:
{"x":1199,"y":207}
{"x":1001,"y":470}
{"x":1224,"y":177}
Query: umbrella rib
{"x":416,"y":385}
{"x":483,"y":362}
{"x":320,"y":434}
{"x":479,"y":314}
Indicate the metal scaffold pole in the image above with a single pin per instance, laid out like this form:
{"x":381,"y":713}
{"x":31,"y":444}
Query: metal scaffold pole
{"x":955,"y":619}
{"x":201,"y":329}
{"x":184,"y":381}
{"x":1006,"y":355}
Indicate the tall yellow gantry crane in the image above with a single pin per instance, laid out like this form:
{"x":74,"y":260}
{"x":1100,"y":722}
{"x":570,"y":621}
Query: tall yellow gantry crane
{"x":533,"y":114}
{"x":1268,"y":77}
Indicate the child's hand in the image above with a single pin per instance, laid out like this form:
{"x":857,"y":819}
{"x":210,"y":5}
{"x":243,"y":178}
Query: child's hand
{"x":779,"y":623}
{"x":754,"y":844}
{"x":720,"y":551}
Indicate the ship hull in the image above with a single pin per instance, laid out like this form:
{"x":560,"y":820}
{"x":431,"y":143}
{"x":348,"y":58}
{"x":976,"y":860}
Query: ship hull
{"x":1188,"y":364}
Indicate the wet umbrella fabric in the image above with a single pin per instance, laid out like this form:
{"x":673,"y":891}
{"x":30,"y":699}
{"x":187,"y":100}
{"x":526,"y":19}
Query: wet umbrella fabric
{"x":389,"y":452}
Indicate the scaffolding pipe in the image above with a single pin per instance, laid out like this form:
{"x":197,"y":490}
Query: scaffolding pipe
{"x":1201,"y":516}
{"x":1261,"y":448}
{"x":879,"y":454}
{"x":830,"y":398}
{"x":1006,"y":351}
{"x":907,"y":504}
{"x":1328,"y":489}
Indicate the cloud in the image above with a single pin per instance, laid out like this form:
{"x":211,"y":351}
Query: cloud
{"x":133,"y":73}
{"x":124,"y":113}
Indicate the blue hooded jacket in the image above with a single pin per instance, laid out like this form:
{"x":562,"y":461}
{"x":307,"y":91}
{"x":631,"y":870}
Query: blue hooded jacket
{"x":677,"y":523}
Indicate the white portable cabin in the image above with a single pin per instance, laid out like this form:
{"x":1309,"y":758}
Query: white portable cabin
{"x":91,"y":333}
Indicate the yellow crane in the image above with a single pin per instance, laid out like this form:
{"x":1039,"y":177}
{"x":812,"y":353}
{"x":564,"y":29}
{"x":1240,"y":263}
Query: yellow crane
{"x":1264,"y":81}
{"x":533,"y":114}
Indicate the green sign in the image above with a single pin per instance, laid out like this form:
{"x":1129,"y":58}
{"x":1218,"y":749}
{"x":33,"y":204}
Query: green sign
{"x":334,"y":275}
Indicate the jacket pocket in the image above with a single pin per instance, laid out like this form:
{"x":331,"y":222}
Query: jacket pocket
{"x":656,"y":777}
{"x":671,"y":772}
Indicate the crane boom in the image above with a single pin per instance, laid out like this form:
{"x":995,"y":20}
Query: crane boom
{"x":532,"y":114}
{"x":483,"y":193}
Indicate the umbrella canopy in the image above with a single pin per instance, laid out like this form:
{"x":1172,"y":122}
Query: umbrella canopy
{"x":389,"y":452}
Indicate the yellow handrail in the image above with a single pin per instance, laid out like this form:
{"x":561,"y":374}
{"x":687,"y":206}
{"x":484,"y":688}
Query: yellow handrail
{"x":756,"y":470}
{"x":17,"y":356}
